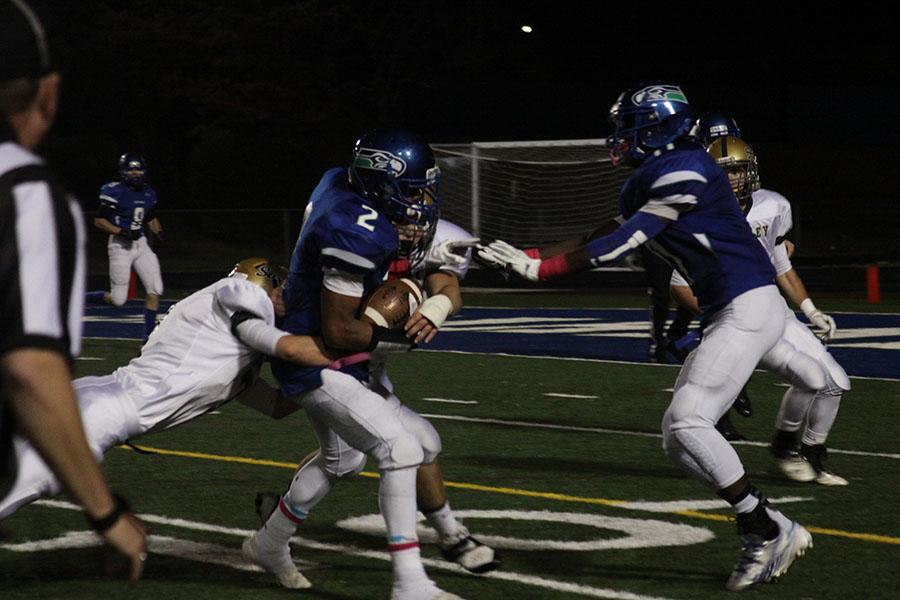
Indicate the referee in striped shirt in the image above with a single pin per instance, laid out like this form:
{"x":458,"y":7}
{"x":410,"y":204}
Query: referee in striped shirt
{"x":42,"y":272}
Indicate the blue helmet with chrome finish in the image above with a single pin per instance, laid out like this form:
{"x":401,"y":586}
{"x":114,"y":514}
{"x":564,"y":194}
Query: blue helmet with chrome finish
{"x":645,"y":118}
{"x":132,"y":169}
{"x":395,"y":169}
{"x":714,"y":125}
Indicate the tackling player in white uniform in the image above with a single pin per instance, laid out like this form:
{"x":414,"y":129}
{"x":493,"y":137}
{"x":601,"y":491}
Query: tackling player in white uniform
{"x":205,"y":352}
{"x":770,"y":219}
{"x":441,"y":269}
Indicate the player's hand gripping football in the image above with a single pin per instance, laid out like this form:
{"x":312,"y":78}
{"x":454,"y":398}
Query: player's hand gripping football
{"x":450,"y":252}
{"x":503,"y":255}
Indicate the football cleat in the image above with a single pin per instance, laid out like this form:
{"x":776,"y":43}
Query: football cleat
{"x":764,"y":560}
{"x":429,"y":591}
{"x":795,"y":467}
{"x":816,"y":455}
{"x":468,"y":552}
{"x":278,"y":562}
{"x":742,"y":403}
{"x":727,"y":429}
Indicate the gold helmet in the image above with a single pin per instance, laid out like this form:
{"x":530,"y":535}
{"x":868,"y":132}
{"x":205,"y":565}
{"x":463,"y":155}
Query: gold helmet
{"x":260,"y":271}
{"x":738,"y":159}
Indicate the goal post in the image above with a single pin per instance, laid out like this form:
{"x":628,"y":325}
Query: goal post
{"x":528,"y":193}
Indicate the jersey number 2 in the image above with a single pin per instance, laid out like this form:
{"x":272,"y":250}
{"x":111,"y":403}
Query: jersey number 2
{"x":365,"y":220}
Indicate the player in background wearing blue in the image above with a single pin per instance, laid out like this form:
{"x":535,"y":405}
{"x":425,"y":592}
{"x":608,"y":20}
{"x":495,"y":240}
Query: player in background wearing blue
{"x":343,"y":254}
{"x":127,"y":211}
{"x":680,"y":201}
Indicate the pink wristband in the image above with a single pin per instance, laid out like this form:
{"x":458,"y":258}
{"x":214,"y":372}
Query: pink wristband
{"x":553,"y":267}
{"x":346,"y":361}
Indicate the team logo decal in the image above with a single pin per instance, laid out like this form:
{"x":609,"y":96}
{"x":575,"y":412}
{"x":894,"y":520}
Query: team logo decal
{"x":380,"y":160}
{"x":657,"y":93}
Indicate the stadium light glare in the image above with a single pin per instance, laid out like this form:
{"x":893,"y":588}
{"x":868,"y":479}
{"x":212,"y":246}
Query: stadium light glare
{"x":526,"y":29}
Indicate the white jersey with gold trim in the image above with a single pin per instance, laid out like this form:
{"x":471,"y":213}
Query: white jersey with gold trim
{"x":770,"y":219}
{"x":192,"y":362}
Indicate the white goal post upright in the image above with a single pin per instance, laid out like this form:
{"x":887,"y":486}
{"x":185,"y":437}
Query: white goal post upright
{"x":528,"y":193}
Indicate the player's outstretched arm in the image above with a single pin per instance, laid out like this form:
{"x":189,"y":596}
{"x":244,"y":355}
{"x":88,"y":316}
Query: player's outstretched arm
{"x":304,"y":350}
{"x":565,"y":246}
{"x":606,"y":249}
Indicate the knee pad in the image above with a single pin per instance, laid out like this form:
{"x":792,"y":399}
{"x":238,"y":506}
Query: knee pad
{"x":349,"y":462}
{"x":399,"y":453}
{"x":427,"y":435}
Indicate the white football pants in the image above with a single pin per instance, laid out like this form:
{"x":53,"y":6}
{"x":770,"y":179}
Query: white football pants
{"x":110,"y":418}
{"x":735,"y":340}
{"x":123,"y":255}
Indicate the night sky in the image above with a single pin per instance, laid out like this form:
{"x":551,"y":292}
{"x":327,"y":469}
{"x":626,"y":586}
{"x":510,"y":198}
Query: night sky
{"x":245,"y":103}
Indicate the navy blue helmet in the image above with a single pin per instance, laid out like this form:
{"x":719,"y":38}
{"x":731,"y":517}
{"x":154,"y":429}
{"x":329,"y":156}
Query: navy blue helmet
{"x":396,"y":171}
{"x":647,"y":117}
{"x":132,"y":169}
{"x":714,"y":125}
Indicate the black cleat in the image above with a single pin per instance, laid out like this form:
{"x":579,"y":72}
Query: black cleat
{"x":742,"y":403}
{"x":726,"y":428}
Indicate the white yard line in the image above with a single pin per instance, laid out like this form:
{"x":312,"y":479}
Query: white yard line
{"x":449,"y":401}
{"x":577,"y":396}
{"x":520,"y":578}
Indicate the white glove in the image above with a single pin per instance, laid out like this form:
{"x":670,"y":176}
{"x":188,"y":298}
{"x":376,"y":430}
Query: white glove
{"x":450,"y":252}
{"x":824,"y":324}
{"x":502,"y":254}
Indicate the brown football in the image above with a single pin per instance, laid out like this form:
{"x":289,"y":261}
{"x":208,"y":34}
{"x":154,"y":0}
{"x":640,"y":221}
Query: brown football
{"x":392,"y":303}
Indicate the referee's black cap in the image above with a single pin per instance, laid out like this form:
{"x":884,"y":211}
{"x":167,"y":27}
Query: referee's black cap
{"x":24,"y":48}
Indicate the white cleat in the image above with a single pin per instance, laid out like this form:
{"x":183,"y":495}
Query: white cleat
{"x":796,"y":468}
{"x":279,"y":563}
{"x":427,"y":590}
{"x":468,"y":552}
{"x":765,"y":560}
{"x":828,"y":478}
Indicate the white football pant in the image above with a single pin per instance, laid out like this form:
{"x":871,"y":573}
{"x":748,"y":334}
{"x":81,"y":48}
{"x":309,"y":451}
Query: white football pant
{"x":110,"y":418}
{"x":736,"y":339}
{"x":125,"y":255}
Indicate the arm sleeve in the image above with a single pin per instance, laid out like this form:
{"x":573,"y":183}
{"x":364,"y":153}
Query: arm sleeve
{"x":254,"y":332}
{"x":781,"y":260}
{"x":642,"y":226}
{"x":677,"y":279}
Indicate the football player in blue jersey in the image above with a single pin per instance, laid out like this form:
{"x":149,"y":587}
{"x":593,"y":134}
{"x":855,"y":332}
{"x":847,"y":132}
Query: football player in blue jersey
{"x":127,"y":211}
{"x":345,"y":247}
{"x":714,"y":125}
{"x":681,"y":202}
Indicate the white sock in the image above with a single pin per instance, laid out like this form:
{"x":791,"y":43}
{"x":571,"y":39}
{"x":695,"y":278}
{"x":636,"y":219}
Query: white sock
{"x":280,"y":526}
{"x":443,"y":520}
{"x":397,"y":498}
{"x":747,"y":505}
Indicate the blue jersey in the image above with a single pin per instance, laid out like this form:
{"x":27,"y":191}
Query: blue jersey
{"x":708,"y":239}
{"x":126,"y":207}
{"x":343,"y":231}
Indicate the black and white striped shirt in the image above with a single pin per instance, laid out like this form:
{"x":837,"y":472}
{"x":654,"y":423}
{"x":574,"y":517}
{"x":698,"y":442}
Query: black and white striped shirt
{"x":42,"y":257}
